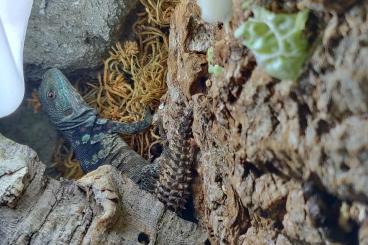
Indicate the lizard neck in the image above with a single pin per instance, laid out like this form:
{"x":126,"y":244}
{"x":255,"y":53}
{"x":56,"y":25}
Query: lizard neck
{"x":72,"y":127}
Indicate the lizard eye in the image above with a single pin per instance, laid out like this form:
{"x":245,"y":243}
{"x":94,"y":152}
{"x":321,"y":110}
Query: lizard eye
{"x":51,"y":94}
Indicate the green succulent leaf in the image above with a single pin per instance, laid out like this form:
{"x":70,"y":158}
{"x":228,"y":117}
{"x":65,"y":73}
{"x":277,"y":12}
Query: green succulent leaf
{"x":277,"y":41}
{"x":210,"y":54}
{"x":217,"y":70}
{"x":213,"y":69}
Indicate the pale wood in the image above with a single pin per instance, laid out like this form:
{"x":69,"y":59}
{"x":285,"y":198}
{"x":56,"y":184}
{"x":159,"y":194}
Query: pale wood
{"x":103,"y":207}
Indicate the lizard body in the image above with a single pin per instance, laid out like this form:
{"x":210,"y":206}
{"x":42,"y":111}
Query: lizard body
{"x":95,"y":140}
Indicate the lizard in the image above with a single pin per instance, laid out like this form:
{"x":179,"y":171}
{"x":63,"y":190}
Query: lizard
{"x":95,"y":140}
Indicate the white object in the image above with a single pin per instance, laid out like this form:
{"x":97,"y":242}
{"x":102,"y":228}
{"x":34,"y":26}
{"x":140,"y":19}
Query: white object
{"x":214,"y":11}
{"x":14,"y":15}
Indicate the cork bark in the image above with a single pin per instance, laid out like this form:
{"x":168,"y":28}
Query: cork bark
{"x":103,"y":207}
{"x":277,"y":162}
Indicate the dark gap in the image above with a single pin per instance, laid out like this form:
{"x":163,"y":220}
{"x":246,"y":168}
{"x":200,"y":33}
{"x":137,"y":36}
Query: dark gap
{"x":275,"y":121}
{"x":344,"y":167}
{"x":87,"y":40}
{"x":156,"y":151}
{"x":188,"y":213}
{"x":240,"y":127}
{"x":281,"y":212}
{"x":324,"y":212}
{"x":278,"y":225}
{"x":143,"y":238}
{"x":247,"y":71}
{"x":313,"y":27}
{"x":270,"y":167}
{"x":303,"y":111}
{"x":199,"y":85}
{"x":263,"y":213}
{"x":207,"y":242}
{"x":129,"y":79}
{"x":125,"y":31}
{"x":231,"y":98}
{"x":218,"y":178}
{"x":322,"y":127}
{"x":251,"y":168}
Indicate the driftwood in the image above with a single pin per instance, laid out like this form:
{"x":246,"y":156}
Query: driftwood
{"x":103,"y":207}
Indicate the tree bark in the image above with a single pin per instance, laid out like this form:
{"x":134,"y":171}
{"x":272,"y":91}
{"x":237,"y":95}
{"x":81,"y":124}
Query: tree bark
{"x":278,"y":162}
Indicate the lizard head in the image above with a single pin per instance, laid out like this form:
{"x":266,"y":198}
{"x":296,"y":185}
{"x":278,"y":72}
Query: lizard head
{"x":59,"y":99}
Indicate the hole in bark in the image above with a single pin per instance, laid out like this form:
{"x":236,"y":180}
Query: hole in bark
{"x":271,"y":90}
{"x":231,"y":98}
{"x":246,"y":72}
{"x":314,"y":26}
{"x":188,"y":213}
{"x":344,"y":167}
{"x":87,"y":40}
{"x":156,"y":150}
{"x":251,"y":168}
{"x":303,"y":112}
{"x":199,"y":86}
{"x":322,"y":127}
{"x":143,"y":238}
{"x":240,"y":127}
{"x":218,"y":179}
{"x":278,"y":225}
{"x":235,"y":90}
{"x":207,"y":242}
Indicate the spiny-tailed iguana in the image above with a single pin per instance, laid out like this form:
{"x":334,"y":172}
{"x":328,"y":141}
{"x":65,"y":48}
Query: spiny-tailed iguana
{"x":94,"y":140}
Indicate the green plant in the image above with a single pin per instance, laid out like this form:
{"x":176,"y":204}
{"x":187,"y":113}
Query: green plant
{"x":213,"y":69}
{"x":277,"y":41}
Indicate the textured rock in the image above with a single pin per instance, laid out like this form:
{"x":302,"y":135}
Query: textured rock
{"x":24,"y":126}
{"x":72,"y":35}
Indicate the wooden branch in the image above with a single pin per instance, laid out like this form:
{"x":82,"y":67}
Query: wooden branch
{"x":103,"y":207}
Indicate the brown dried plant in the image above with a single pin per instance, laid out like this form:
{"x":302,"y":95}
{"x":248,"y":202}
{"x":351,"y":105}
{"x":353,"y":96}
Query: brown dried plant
{"x":133,"y":79}
{"x":159,"y":11}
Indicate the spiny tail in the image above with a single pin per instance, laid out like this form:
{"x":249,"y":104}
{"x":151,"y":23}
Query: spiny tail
{"x":176,"y":167}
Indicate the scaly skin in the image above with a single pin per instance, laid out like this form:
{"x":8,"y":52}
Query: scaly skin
{"x":94,"y":140}
{"x":176,"y":165}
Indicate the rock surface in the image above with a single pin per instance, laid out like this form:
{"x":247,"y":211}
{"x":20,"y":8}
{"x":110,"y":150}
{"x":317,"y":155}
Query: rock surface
{"x":33,"y":129}
{"x":103,"y":207}
{"x":72,"y":35}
